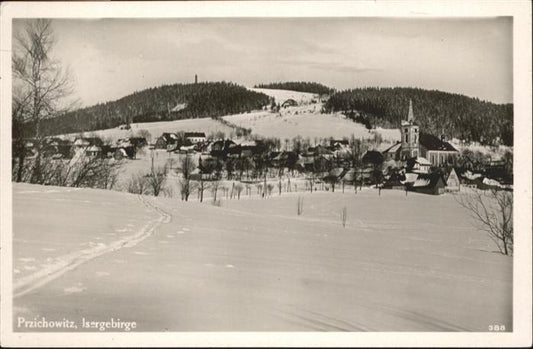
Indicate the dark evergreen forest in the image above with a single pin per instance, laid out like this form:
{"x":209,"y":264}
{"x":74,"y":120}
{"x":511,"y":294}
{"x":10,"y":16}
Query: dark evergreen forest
{"x":436,"y":112}
{"x":208,"y":99}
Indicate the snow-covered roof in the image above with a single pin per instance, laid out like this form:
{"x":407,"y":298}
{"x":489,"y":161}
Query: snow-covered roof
{"x":393,"y":149}
{"x":421,"y":182}
{"x":423,"y":161}
{"x":492,"y":182}
{"x":94,"y":148}
{"x":410,"y":178}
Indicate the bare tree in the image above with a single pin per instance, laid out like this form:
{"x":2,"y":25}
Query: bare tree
{"x":215,"y":184}
{"x":186,"y":169}
{"x":238,"y":188}
{"x":137,"y":184}
{"x":493,"y":211}
{"x":156,"y":180}
{"x":39,"y":86}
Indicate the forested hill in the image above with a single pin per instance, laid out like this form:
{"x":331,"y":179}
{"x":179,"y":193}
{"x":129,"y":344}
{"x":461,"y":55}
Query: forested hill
{"x":300,"y":86}
{"x":436,"y":112}
{"x":207,"y":99}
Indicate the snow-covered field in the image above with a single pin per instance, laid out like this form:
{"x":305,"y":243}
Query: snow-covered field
{"x":402,"y":263}
{"x":206,"y":125}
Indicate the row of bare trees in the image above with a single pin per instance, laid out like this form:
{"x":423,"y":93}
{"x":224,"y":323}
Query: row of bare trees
{"x":80,"y":171}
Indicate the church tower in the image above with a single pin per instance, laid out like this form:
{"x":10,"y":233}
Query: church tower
{"x":410,"y":135}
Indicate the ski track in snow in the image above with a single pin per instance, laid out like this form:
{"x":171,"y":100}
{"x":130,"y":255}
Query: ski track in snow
{"x":71,"y":261}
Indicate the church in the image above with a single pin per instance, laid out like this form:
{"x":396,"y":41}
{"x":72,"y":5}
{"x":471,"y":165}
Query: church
{"x":420,"y":150}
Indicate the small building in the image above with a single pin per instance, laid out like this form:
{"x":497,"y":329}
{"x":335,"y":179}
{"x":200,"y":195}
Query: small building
{"x":373,"y":157}
{"x":93,"y":151}
{"x":393,"y":152}
{"x":432,"y":183}
{"x":195,"y":137}
{"x":56,"y":147}
{"x":91,"y":146}
{"x":166,"y":141}
{"x":453,"y":183}
{"x":418,"y":165}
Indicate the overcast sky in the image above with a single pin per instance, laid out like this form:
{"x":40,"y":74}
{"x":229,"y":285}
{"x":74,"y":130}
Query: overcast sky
{"x":111,"y":58}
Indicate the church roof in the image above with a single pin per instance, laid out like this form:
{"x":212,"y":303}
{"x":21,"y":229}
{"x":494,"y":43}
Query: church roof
{"x":431,"y":142}
{"x":394,"y":148}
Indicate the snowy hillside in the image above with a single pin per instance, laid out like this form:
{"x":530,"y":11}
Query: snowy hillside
{"x":256,"y":265}
{"x":306,"y":121}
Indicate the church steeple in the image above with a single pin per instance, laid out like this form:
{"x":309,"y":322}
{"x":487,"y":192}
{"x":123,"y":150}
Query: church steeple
{"x":410,"y":135}
{"x":411,"y":115}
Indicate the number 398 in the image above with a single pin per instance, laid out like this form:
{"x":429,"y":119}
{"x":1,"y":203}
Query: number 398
{"x":496,"y":328}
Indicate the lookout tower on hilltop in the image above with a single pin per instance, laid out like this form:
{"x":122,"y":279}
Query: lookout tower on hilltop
{"x":410,"y":135}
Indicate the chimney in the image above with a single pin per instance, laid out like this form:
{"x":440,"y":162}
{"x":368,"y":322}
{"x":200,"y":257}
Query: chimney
{"x":195,"y":78}
{"x":443,"y":137}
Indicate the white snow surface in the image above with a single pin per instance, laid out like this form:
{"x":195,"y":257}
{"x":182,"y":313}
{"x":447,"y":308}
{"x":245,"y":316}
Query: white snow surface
{"x":402,"y":263}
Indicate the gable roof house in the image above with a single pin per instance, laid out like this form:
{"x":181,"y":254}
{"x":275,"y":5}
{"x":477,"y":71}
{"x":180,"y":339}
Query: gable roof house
{"x":453,"y":183}
{"x":168,"y":141}
{"x":429,"y":183}
{"x":90,"y":146}
{"x":56,"y":147}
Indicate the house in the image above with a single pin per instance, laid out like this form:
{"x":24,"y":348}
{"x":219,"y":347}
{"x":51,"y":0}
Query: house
{"x":168,"y":141}
{"x":453,"y":183}
{"x":289,"y":103}
{"x":195,"y":137}
{"x":288,"y":159}
{"x":93,"y":151}
{"x":305,"y":162}
{"x":335,"y":175}
{"x":127,"y":147}
{"x":138,"y":142}
{"x":437,"y":150}
{"x":56,"y":147}
{"x":321,"y":150}
{"x":220,"y":148}
{"x":373,"y":157}
{"x":418,"y":165}
{"x":251,"y":148}
{"x":91,"y":146}
{"x":393,"y":152}
{"x":428,"y":183}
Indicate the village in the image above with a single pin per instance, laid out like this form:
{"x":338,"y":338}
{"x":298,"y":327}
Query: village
{"x":418,"y":162}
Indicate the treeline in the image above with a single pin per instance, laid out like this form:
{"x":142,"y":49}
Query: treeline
{"x":436,"y":112}
{"x":300,"y":86}
{"x":208,"y":99}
